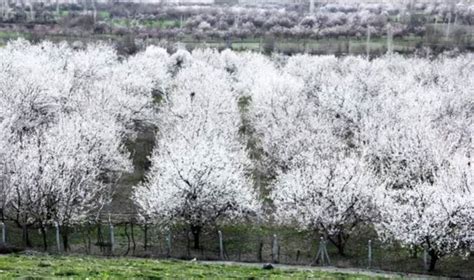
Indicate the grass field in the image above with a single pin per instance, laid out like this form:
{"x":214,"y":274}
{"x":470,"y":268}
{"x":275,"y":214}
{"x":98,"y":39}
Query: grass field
{"x":76,"y":267}
{"x":241,"y":243}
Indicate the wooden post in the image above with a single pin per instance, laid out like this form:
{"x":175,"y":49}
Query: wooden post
{"x":321,"y":250}
{"x":221,"y":245}
{"x":389,"y":39}
{"x":112,"y":239}
{"x":322,"y":254}
{"x":168,"y":244}
{"x":318,"y":254}
{"x":349,"y":47}
{"x":275,"y":250}
{"x":325,"y":252}
{"x":448,"y":29}
{"x":370,"y":253}
{"x":4,"y":233}
{"x":58,"y":237}
{"x":368,"y":43}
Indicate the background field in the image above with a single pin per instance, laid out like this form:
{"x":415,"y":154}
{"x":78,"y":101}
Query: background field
{"x":326,"y":46}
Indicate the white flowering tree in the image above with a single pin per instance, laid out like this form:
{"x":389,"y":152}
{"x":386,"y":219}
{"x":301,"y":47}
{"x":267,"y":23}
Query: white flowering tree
{"x":331,"y":195}
{"x":437,"y":216}
{"x":198,"y":174}
{"x":64,"y":117}
{"x":420,"y":149}
{"x":322,"y":132}
{"x":65,"y":174}
{"x":319,"y":180}
{"x":426,"y":200}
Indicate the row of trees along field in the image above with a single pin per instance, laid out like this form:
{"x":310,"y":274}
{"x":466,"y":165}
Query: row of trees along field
{"x":312,"y":142}
{"x":297,"y":21}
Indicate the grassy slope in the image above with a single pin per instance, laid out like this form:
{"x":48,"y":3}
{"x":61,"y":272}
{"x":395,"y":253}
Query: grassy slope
{"x":122,"y":268}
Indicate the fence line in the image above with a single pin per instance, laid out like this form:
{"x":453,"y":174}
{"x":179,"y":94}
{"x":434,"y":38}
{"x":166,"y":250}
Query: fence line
{"x":253,"y":244}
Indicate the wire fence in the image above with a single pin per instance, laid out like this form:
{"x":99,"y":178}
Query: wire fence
{"x":242,"y":243}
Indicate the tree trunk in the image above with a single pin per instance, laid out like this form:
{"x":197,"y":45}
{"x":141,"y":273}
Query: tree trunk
{"x":340,"y":249}
{"x":145,"y":236}
{"x":188,"y":244}
{"x":65,"y":236}
{"x":196,"y":231}
{"x":88,"y":239}
{"x":100,"y":238}
{"x":340,"y":243}
{"x":128,"y":240}
{"x":433,"y":259}
{"x":133,"y":238}
{"x":259,"y":252}
{"x":45,"y":239}
{"x":26,"y":237}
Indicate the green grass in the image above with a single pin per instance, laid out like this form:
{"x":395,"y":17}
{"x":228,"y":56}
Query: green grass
{"x":104,"y":14}
{"x":151,"y":23}
{"x":242,"y":243}
{"x":77,"y":267}
{"x":10,"y":35}
{"x":169,"y":23}
{"x":63,"y":13}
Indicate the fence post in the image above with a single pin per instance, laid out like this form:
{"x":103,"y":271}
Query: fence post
{"x":318,"y":254}
{"x":275,"y":249}
{"x":168,"y":244}
{"x":112,"y":238}
{"x":370,"y":253}
{"x":221,"y":245}
{"x":58,"y":237}
{"x":368,"y":43}
{"x":321,"y":250}
{"x":325,"y":252}
{"x":322,"y":253}
{"x":4,"y":234}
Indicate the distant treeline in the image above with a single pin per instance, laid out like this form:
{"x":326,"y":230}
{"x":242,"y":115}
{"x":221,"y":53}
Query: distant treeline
{"x":227,"y":22}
